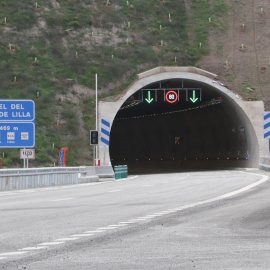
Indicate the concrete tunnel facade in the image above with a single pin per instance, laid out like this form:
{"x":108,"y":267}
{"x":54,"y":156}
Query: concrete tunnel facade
{"x":222,"y":131}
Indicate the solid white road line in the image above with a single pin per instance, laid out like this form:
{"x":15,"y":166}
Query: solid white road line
{"x":50,"y":243}
{"x":67,"y":239}
{"x":32,"y":248}
{"x":13,"y":253}
{"x":107,"y":228}
{"x":110,"y":227}
{"x":119,"y":225}
{"x":94,"y":231}
{"x":62,"y":199}
{"x":128,"y":222}
{"x":117,"y":190}
{"x":80,"y":235}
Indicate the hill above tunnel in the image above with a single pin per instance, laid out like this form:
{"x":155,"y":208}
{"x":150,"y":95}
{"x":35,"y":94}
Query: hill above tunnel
{"x":51,"y":50}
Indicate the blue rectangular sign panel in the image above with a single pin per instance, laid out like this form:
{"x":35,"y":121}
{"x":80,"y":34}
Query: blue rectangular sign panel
{"x":17,"y":134}
{"x":17,"y":110}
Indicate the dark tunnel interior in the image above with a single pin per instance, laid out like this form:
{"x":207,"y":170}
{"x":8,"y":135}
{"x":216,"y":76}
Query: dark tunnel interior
{"x":200,"y":130}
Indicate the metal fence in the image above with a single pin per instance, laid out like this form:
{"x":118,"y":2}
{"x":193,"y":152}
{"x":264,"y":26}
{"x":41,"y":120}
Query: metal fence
{"x":39,"y":177}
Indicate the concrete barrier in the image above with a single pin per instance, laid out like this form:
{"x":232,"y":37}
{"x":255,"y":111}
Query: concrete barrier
{"x":89,"y":175}
{"x":104,"y":171}
{"x":264,"y":163}
{"x":40,"y":177}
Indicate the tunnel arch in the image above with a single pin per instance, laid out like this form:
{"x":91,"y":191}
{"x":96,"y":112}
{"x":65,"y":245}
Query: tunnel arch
{"x":236,"y":113}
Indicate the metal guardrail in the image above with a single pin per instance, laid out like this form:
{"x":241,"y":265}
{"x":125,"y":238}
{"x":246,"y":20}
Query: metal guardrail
{"x":39,"y":177}
{"x":40,"y":171}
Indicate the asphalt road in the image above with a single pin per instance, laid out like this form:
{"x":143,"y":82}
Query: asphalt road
{"x":204,"y":220}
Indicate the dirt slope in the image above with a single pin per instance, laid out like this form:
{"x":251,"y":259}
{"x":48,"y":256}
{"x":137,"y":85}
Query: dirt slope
{"x":248,"y":69}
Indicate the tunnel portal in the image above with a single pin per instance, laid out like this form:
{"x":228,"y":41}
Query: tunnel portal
{"x":184,"y":133}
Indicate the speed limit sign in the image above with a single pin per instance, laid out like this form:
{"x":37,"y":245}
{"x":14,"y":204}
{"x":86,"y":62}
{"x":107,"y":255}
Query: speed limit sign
{"x":171,"y":96}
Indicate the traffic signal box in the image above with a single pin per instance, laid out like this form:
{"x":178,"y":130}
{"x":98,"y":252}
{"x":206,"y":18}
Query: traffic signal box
{"x":93,"y":137}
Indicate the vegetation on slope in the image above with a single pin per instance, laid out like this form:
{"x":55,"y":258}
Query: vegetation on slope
{"x":51,"y":50}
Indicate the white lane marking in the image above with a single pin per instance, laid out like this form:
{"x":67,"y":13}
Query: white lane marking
{"x":13,"y":253}
{"x":119,"y":225}
{"x":107,"y":228}
{"x":128,"y":222}
{"x":62,"y":199}
{"x":263,"y":179}
{"x":115,"y":190}
{"x":67,"y":239}
{"x":32,"y":248}
{"x":94,"y":231}
{"x":80,"y":235}
{"x":51,"y":243}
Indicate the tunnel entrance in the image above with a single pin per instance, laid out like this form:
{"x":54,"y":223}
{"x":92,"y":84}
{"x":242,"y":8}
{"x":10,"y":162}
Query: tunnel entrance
{"x":200,"y":129}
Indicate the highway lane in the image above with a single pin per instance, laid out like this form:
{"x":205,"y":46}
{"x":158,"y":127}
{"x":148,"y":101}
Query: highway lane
{"x":66,"y":221}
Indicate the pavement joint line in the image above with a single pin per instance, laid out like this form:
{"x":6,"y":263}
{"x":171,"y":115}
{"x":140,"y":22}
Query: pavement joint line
{"x":13,"y":253}
{"x":50,"y":243}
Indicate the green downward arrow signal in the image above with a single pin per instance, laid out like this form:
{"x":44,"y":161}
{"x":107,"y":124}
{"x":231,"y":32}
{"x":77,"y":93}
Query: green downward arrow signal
{"x":149,"y":100}
{"x":194,"y":99}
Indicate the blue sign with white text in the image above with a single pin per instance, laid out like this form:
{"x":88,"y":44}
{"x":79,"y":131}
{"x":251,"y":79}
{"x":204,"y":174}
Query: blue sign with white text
{"x":17,"y":110}
{"x":17,"y":123}
{"x":17,"y":135}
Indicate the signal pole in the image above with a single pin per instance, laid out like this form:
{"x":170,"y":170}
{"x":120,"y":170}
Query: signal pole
{"x":96,"y":147}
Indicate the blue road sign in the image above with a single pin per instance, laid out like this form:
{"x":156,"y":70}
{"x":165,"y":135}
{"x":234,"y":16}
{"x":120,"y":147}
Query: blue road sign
{"x":105,"y":132}
{"x":17,"y":123}
{"x":17,"y":135}
{"x":17,"y":110}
